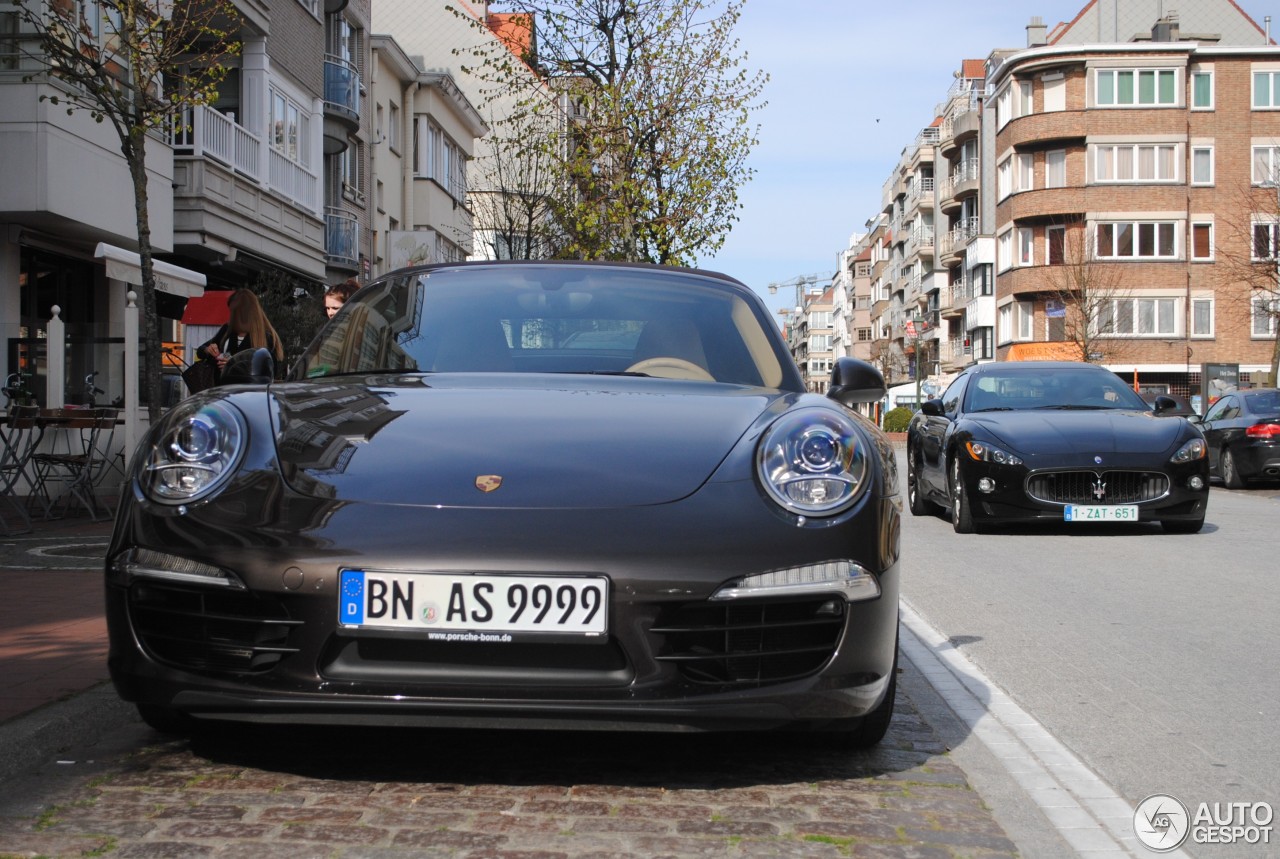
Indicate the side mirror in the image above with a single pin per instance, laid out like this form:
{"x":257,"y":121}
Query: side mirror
{"x":854,"y":381}
{"x":932,"y":408}
{"x":255,"y":368}
{"x":1165,"y":404}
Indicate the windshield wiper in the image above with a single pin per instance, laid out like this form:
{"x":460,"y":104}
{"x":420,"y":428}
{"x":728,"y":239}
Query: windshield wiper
{"x":1073,"y":406}
{"x":993,"y":409}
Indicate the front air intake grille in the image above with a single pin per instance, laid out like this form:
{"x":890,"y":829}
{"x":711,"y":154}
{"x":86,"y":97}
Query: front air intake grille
{"x":1090,"y":487}
{"x":749,"y":643}
{"x":211,"y":631}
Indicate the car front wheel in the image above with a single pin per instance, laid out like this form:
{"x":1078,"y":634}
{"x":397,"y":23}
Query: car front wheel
{"x":961,"y":515}
{"x":1230,"y":473}
{"x":915,"y":497}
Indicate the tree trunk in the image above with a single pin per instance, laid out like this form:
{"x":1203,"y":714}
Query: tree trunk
{"x":150,"y":327}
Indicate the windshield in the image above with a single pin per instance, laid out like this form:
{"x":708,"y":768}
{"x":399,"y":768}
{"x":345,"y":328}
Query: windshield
{"x":1082,"y":387}
{"x":536,"y":318}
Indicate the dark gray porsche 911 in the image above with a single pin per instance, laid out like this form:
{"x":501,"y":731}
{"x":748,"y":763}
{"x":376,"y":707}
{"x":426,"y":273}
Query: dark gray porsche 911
{"x":518,"y":494}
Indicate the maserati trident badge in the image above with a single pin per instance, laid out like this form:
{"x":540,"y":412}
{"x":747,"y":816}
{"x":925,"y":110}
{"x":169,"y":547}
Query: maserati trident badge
{"x":488,"y":482}
{"x":1099,"y":489}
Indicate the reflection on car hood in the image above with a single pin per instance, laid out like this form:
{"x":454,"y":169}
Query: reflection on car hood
{"x":571,"y":441}
{"x":1058,"y":432}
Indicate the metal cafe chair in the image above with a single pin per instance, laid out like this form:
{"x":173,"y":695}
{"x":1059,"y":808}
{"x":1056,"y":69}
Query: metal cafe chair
{"x":20,"y":435}
{"x":76,"y":471}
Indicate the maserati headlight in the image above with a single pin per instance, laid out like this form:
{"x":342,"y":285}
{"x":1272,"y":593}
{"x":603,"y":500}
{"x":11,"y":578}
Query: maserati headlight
{"x":812,"y":462}
{"x":1191,"y":451}
{"x":196,"y":452}
{"x":983,"y":452}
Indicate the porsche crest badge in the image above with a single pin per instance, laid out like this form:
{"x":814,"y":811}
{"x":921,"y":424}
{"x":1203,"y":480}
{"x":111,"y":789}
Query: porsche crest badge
{"x":488,"y":482}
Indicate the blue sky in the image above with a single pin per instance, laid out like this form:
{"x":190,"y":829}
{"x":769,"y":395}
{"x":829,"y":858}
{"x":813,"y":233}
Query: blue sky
{"x":851,"y":85}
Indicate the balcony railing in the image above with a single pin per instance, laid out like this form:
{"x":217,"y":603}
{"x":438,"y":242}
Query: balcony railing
{"x":341,"y":86}
{"x":203,"y":132}
{"x":965,"y":171}
{"x":341,"y":238}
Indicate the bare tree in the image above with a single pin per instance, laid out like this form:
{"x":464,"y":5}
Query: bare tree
{"x":514,"y":210}
{"x":139,"y":65}
{"x":1097,"y":310}
{"x":653,"y":149}
{"x":1247,"y":253}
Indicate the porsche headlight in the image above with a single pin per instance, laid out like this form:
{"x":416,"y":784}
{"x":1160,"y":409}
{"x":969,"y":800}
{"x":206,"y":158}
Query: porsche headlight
{"x":1191,"y":451}
{"x":812,"y":462}
{"x":199,"y":445}
{"x":983,"y":452}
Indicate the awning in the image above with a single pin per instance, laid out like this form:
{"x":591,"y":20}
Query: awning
{"x":1047,"y":350}
{"x":209,"y":309}
{"x":127,"y":266}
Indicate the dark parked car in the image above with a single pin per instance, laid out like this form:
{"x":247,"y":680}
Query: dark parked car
{"x":1181,"y":407}
{"x":460,"y":511}
{"x":1242,"y":429}
{"x":1054,"y":441}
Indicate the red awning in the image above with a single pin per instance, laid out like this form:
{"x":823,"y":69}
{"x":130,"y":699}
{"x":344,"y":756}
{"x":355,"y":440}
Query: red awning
{"x":209,"y":309}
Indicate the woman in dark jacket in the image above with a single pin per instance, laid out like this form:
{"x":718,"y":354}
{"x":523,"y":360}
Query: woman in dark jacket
{"x":248,"y":328}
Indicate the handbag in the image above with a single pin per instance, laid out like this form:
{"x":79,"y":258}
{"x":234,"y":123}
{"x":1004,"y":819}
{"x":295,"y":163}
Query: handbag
{"x":201,"y":375}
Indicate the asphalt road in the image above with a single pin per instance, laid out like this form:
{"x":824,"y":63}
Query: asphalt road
{"x":1152,"y":657}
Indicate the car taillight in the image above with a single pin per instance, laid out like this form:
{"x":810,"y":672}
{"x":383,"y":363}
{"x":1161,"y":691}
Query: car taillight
{"x":1267,"y":431}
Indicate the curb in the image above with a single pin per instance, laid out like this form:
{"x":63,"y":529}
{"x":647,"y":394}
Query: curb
{"x":32,"y":738}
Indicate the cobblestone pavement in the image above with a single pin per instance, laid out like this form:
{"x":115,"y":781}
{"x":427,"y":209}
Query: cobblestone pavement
{"x":380,"y":793}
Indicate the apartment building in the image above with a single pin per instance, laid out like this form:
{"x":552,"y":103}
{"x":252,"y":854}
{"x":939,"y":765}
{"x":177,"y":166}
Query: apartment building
{"x":1129,"y":154}
{"x":425,"y":133}
{"x":851,"y":301}
{"x":275,"y":175}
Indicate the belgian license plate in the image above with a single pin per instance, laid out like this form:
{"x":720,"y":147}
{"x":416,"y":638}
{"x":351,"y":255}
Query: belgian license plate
{"x":1100,"y":513}
{"x":469,"y":607}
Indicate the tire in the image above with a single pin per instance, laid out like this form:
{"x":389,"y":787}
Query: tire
{"x":1182,"y":526}
{"x":961,"y":514}
{"x":1230,"y":473}
{"x":166,"y":720}
{"x":915,"y":498}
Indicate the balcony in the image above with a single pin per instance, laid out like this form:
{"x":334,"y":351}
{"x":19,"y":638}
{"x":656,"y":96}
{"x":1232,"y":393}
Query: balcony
{"x":341,"y":102}
{"x":955,"y":241}
{"x":341,"y":239}
{"x":954,"y":353}
{"x":960,"y":123}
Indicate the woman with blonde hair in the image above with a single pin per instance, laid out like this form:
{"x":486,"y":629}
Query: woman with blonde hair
{"x":247,"y":328}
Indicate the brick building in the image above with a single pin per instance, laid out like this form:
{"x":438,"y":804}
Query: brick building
{"x":1134,"y":183}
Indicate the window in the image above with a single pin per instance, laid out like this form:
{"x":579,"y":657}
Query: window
{"x":1202,"y":90}
{"x":1136,"y":163}
{"x":1266,"y":240}
{"x":1136,"y":87}
{"x":289,"y":123}
{"x":439,"y":158}
{"x":864,"y":335}
{"x":1004,"y":104}
{"x":393,"y":126}
{"x":1024,"y":103}
{"x":1055,"y":92}
{"x":1266,"y":165}
{"x":1202,"y":165}
{"x":1136,"y":240}
{"x":1202,"y":317}
{"x":982,"y":343}
{"x":1055,"y":168}
{"x":1266,"y":90}
{"x":1202,"y":241}
{"x":1056,"y":245}
{"x":1004,"y":178}
{"x":1026,"y":245}
{"x":1265,"y":313}
{"x":1024,"y":317}
{"x":1152,"y":317}
{"x":980,"y":277}
{"x":1026,"y":172}
{"x":1004,"y":250}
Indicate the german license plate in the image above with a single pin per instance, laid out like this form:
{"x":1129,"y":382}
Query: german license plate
{"x":1100,"y":513}
{"x":455,"y":604}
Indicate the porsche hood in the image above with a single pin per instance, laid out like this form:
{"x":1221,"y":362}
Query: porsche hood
{"x":499,"y":442}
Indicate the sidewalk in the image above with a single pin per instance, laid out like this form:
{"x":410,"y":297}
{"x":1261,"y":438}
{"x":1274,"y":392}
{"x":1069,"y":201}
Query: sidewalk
{"x":53,"y":636}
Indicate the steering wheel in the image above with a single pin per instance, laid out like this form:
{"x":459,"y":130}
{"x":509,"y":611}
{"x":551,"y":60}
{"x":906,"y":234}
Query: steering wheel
{"x":667,"y":367}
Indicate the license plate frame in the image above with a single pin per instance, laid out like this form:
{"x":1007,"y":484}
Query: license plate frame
{"x":1100,"y":513}
{"x":474,"y":606}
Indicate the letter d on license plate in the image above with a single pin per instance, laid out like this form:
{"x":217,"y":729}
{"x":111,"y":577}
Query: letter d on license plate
{"x":382,"y":599}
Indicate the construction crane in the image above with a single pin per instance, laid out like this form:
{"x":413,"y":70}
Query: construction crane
{"x":802,"y":285}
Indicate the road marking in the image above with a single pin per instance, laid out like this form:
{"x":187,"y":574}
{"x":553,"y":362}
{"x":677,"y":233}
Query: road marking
{"x":1089,"y":815}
